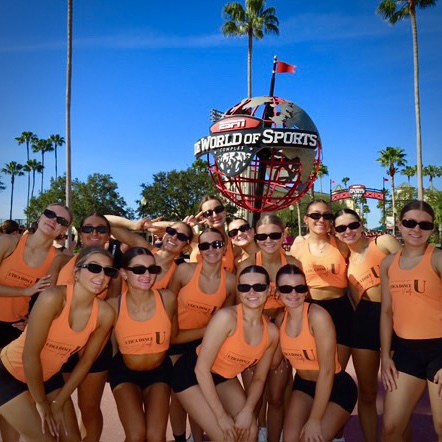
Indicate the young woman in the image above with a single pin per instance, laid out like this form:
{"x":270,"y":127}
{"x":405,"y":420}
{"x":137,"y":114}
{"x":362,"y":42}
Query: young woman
{"x":364,"y":278}
{"x":33,"y":396}
{"x":206,"y":381}
{"x":27,"y":267}
{"x":94,"y":230}
{"x":141,"y":370}
{"x":323,"y":395}
{"x":202,"y":289}
{"x":269,"y":238}
{"x":323,"y":260}
{"x":242,"y":236}
{"x":412,"y":307}
{"x":212,"y":213}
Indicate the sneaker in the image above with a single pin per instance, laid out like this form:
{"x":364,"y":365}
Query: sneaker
{"x":262,"y":434}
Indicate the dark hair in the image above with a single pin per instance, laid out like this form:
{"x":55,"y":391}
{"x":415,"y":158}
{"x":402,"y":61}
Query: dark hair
{"x":346,"y":212}
{"x":9,"y":226}
{"x":131,"y":253}
{"x":312,"y":203}
{"x":289,"y":269}
{"x":213,"y":230}
{"x":417,"y":205}
{"x":98,"y":215}
{"x":255,"y":269}
{"x":209,"y":198}
{"x":188,"y":228}
{"x":270,"y":219}
{"x":92,"y":250}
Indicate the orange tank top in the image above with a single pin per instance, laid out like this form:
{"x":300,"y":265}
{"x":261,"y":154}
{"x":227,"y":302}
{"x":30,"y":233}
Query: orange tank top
{"x":14,"y":272}
{"x":366,"y":274}
{"x":235,"y":354}
{"x":66,"y":276}
{"x":323,"y":271}
{"x":416,"y":296}
{"x":272,"y":301}
{"x":301,"y":351}
{"x":143,"y":337}
{"x":60,"y":344}
{"x":196,"y":308}
{"x":164,"y":282}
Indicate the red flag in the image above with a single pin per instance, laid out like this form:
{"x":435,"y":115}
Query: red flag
{"x":282,"y":67}
{"x":386,"y":179}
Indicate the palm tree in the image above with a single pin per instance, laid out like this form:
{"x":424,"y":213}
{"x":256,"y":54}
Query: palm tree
{"x":14,"y":169}
{"x":27,"y":138}
{"x":392,"y":158}
{"x":409,"y":171}
{"x":432,"y":172}
{"x":394,"y":10}
{"x":33,"y":166}
{"x":253,"y":21}
{"x":345,"y":180}
{"x":42,"y":146}
{"x":56,"y":141}
{"x":322,"y":171}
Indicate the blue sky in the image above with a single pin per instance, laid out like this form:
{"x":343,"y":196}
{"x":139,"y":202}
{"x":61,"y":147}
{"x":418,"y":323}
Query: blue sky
{"x":146,"y":74}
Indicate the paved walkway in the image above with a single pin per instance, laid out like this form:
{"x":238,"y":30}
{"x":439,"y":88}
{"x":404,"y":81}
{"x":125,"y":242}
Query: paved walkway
{"x":423,"y":430}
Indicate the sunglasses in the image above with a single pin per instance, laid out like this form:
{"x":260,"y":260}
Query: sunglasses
{"x":52,"y":215}
{"x":218,"y":244}
{"x":181,"y":236}
{"x":264,"y":236}
{"x":244,"y":288}
{"x":99,"y":229}
{"x":97,"y":268}
{"x":411,"y":224}
{"x":300,"y":288}
{"x":210,"y":212}
{"x":141,"y":270}
{"x":244,"y":228}
{"x":352,"y":226}
{"x":317,"y":216}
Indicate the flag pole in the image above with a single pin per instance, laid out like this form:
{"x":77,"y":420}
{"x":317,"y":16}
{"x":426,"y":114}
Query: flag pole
{"x":272,"y":82}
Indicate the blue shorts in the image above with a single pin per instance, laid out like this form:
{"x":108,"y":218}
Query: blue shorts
{"x":10,"y":387}
{"x":344,"y":391}
{"x":120,"y":373}
{"x":421,"y":358}
{"x":184,"y":377}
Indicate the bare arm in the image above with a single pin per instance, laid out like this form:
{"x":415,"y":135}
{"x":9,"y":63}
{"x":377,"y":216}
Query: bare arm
{"x":388,"y":244}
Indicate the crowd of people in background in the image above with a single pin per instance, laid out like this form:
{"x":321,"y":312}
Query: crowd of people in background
{"x":241,"y":331}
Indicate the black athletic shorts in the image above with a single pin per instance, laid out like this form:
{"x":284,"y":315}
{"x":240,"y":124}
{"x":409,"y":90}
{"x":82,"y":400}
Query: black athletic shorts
{"x":180,"y":349}
{"x":8,"y":333}
{"x":421,"y":358}
{"x":366,"y":326}
{"x":102,"y":363}
{"x":10,"y":387}
{"x":344,"y":391}
{"x":183,"y":375}
{"x":341,"y":312}
{"x":120,"y":373}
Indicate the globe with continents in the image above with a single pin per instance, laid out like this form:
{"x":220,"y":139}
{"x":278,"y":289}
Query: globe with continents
{"x":263,"y":154}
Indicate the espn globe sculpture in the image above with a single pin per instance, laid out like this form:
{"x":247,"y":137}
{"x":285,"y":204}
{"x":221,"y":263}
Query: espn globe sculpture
{"x":263,"y":154}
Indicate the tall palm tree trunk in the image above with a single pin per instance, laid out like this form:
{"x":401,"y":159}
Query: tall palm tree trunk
{"x":12,"y":196}
{"x":29,"y":174}
{"x":33,"y":184}
{"x":56,"y":169}
{"x":42,"y":171}
{"x":393,"y":203}
{"x":420,"y":187}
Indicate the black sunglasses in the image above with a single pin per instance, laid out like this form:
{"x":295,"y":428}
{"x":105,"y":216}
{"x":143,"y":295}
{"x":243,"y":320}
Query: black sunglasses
{"x":300,"y":288}
{"x":99,"y":229}
{"x":210,"y":212}
{"x":181,"y":236}
{"x":317,"y":216}
{"x":264,"y":236}
{"x":218,"y":244}
{"x":141,"y":270}
{"x":52,"y":215}
{"x":97,"y":268}
{"x":411,"y":224}
{"x":352,"y":226}
{"x":244,"y":288}
{"x":244,"y":228}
